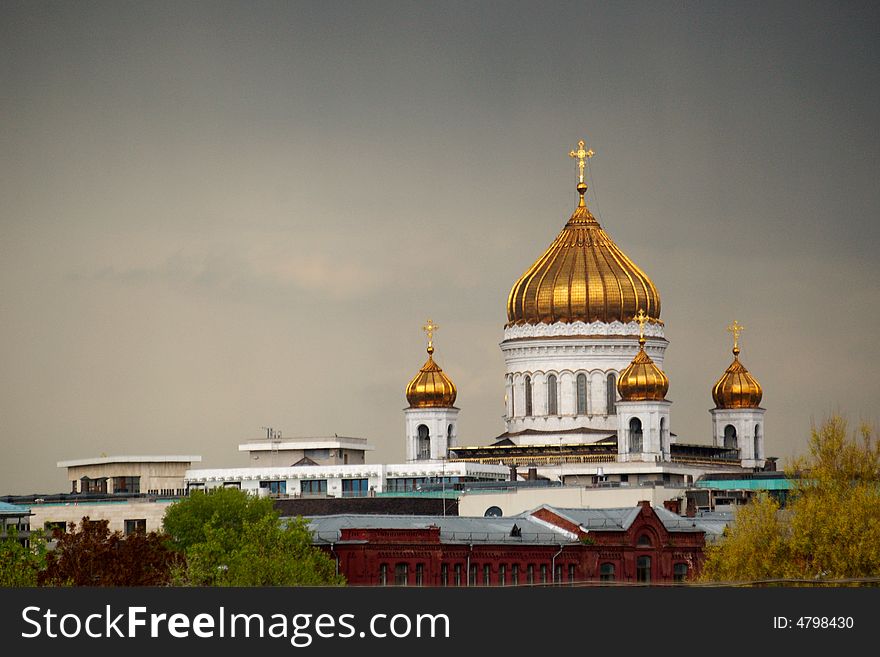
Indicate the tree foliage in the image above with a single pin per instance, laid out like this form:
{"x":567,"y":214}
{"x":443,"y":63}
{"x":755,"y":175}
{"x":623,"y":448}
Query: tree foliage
{"x":231,"y":538}
{"x":831,"y":526}
{"x":20,"y":565}
{"x":90,"y":555}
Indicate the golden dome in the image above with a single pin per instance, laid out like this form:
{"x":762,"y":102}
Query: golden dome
{"x":642,"y":380}
{"x":737,"y":388}
{"x":582,"y":276}
{"x":431,"y":388}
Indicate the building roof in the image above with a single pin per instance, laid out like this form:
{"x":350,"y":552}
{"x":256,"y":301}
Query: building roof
{"x":7,"y":509}
{"x":103,"y":460}
{"x":313,"y":442}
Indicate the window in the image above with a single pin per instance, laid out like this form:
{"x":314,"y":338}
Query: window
{"x":543,"y":573}
{"x":317,"y":454}
{"x":404,"y":484}
{"x":643,"y":570}
{"x":512,"y":399}
{"x":557,"y":574}
{"x":611,"y":386}
{"x":275,"y":487}
{"x":487,"y":574}
{"x":132,"y":526}
{"x":730,"y":437}
{"x":664,"y":437}
{"x":420,"y":574}
{"x":424,"y":445}
{"x":355,"y":487}
{"x":383,"y":574}
{"x":472,"y":575}
{"x":313,"y":487}
{"x":581,"y":394}
{"x":444,"y":574}
{"x":571,"y":572}
{"x":126,"y":484}
{"x":514,"y":574}
{"x":401,"y":574}
{"x":679,"y":572}
{"x":231,"y":484}
{"x":757,"y":441}
{"x":552,"y":405}
{"x":458,"y":574}
{"x":644,"y":541}
{"x":530,"y":574}
{"x":98,"y":485}
{"x":635,"y":436}
{"x":502,"y":575}
{"x":528,"y":396}
{"x":448,"y":438}
{"x":606,"y":572}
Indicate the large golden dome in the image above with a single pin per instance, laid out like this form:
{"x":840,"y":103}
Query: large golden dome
{"x":642,"y":380}
{"x":431,"y":388}
{"x":737,"y":388}
{"x":582,"y":276}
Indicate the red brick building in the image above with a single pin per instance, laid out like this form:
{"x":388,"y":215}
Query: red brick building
{"x":544,"y":546}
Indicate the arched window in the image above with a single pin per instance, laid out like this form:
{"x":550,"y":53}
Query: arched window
{"x":424,"y":442}
{"x":448,"y":438}
{"x":581,"y":394}
{"x":611,"y":404}
{"x":512,"y":399}
{"x":635,"y":436}
{"x":757,"y":441}
{"x":730,"y":437}
{"x":528,"y":396}
{"x":552,"y":405}
{"x":664,"y":438}
{"x":606,"y":572}
{"x":644,"y":541}
{"x":679,"y":572}
{"x":643,"y":569}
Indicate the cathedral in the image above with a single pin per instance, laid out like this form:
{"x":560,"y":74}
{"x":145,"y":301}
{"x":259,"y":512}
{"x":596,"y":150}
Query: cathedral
{"x":585,"y":391}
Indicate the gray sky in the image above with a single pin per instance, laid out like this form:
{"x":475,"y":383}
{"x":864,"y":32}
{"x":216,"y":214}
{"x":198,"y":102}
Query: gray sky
{"x":216,"y":217}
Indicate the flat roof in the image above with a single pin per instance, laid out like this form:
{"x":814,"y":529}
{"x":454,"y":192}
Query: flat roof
{"x":102,"y":460}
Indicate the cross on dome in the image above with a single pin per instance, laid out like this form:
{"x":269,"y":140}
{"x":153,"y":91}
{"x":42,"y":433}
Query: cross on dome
{"x":429,"y":328}
{"x":641,"y":318}
{"x":736,"y":328}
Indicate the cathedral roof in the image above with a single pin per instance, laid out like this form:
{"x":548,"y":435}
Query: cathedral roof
{"x":431,"y":388}
{"x":737,"y":388}
{"x":642,"y":380}
{"x":582,"y":276}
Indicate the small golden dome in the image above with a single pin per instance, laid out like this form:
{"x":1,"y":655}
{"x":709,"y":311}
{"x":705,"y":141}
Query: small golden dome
{"x":431,"y":388}
{"x":582,"y":276}
{"x":737,"y":388}
{"x":642,"y":380}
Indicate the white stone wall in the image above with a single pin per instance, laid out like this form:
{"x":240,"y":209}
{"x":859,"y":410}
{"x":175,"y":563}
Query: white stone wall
{"x":116,"y":512}
{"x":746,"y":421}
{"x":438,"y":421}
{"x":557,"y":349}
{"x":654,"y":416}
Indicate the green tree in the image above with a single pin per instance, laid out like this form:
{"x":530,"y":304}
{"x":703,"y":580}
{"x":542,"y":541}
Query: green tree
{"x":90,"y":555}
{"x":231,"y":538}
{"x":831,"y":526}
{"x":20,"y":565}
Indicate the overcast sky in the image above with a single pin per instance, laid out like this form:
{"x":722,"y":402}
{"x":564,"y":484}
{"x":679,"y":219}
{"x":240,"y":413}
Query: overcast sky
{"x":217,"y":217}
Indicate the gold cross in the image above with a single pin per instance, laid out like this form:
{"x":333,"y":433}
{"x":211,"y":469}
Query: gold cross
{"x":429,"y":328}
{"x":642,"y":319}
{"x":582,"y":156}
{"x":736,"y":328}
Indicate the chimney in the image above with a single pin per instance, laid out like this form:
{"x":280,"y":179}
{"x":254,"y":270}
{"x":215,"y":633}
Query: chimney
{"x":673,"y":505}
{"x":691,"y":510}
{"x":533,"y":473}
{"x":513,"y":475}
{"x":770,"y":464}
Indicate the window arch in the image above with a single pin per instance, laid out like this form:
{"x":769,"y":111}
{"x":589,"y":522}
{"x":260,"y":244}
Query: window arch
{"x":611,"y":389}
{"x":552,"y":402}
{"x":528,"y":396}
{"x":644,"y":541}
{"x":424,"y":444}
{"x":757,"y":441}
{"x":730,"y":437}
{"x":635,"y":435}
{"x":581,"y":385}
{"x":512,"y":398}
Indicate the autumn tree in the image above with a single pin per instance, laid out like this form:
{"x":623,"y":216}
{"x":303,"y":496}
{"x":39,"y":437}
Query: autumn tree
{"x":90,"y":555}
{"x":231,"y":538}
{"x":830,"y":529}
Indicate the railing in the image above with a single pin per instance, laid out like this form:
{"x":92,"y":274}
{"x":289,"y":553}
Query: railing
{"x":539,"y":460}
